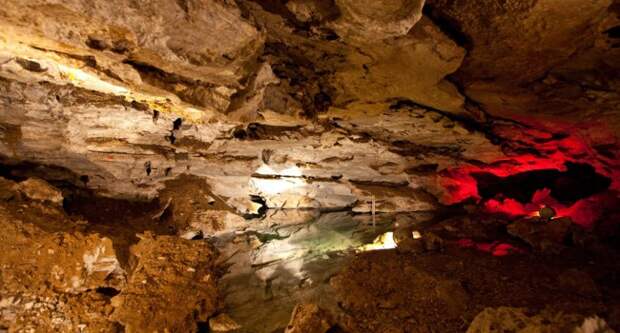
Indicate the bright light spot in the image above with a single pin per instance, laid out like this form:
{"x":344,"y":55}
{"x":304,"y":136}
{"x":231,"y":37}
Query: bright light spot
{"x":290,"y":180}
{"x":292,"y":172}
{"x":83,"y":79}
{"x":265,"y":170}
{"x":416,"y":235}
{"x":382,"y":242}
{"x":276,"y":186}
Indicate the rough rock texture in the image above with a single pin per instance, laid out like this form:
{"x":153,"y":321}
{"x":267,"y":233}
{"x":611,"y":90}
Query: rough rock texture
{"x":239,"y":123}
{"x":309,"y":318}
{"x":372,"y":20}
{"x":50,"y":280}
{"x":172,"y":286}
{"x":301,"y":105}
{"x":40,"y":190}
{"x":545,"y":236}
{"x":517,"y":320}
{"x":170,"y":43}
{"x":126,"y":151}
{"x":518,"y":41}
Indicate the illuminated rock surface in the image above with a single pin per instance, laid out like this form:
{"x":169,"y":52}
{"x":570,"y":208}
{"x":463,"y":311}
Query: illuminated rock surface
{"x":380,"y":166}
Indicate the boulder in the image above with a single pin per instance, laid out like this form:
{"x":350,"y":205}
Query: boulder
{"x":40,"y":190}
{"x":173,"y":286}
{"x":518,"y":320}
{"x":309,"y":318}
{"x":543,"y":236}
{"x":223,"y":323}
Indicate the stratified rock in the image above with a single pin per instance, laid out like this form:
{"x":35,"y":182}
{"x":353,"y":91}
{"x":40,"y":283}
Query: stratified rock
{"x":171,"y":288}
{"x":171,"y":44}
{"x":544,"y":236}
{"x":39,"y":190}
{"x":223,"y":323}
{"x":506,"y":319}
{"x":309,"y":318}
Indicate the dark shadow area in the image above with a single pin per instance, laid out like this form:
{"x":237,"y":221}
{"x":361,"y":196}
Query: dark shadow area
{"x":579,"y":181}
{"x":120,"y":220}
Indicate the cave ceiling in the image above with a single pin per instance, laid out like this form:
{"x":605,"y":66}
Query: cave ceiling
{"x":307,"y":104}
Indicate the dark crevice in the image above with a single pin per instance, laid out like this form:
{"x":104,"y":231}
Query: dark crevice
{"x":579,"y":181}
{"x":448,"y":26}
{"x":613,"y":32}
{"x":108,"y":291}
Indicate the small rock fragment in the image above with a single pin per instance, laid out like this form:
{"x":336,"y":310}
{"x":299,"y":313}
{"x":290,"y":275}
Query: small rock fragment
{"x":223,"y":323}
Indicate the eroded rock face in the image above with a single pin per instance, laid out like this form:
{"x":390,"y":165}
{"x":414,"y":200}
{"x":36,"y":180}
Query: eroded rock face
{"x":376,"y":20}
{"x":309,"y":318}
{"x":50,"y":279}
{"x":518,"y":41}
{"x":170,"y":43}
{"x":172,"y":284}
{"x":40,"y":190}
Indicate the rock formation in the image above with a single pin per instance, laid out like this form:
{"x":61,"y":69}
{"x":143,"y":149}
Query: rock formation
{"x":258,"y":137}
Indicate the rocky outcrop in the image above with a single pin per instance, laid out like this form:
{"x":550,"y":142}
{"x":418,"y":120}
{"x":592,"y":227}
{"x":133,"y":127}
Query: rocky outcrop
{"x":128,"y":146}
{"x":168,"y":45}
{"x":519,"y":320}
{"x":309,"y":318}
{"x":123,"y":121}
{"x":518,"y":41}
{"x":52,"y":279}
{"x":40,"y":190}
{"x":172,"y":284}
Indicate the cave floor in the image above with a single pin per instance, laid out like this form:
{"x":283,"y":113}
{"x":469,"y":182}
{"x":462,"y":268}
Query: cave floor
{"x":290,"y":257}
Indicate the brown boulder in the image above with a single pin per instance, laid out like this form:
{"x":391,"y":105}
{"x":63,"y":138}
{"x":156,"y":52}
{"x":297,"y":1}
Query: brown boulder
{"x":309,"y":318}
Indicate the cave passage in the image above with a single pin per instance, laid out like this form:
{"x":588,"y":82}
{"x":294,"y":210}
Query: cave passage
{"x":577,"y":182}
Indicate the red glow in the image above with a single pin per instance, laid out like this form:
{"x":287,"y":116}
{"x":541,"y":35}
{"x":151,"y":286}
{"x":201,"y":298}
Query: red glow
{"x":460,"y":185}
{"x":497,"y":249}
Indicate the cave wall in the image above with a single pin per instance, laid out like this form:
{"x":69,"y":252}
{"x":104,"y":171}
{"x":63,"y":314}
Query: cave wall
{"x":308,"y":104}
